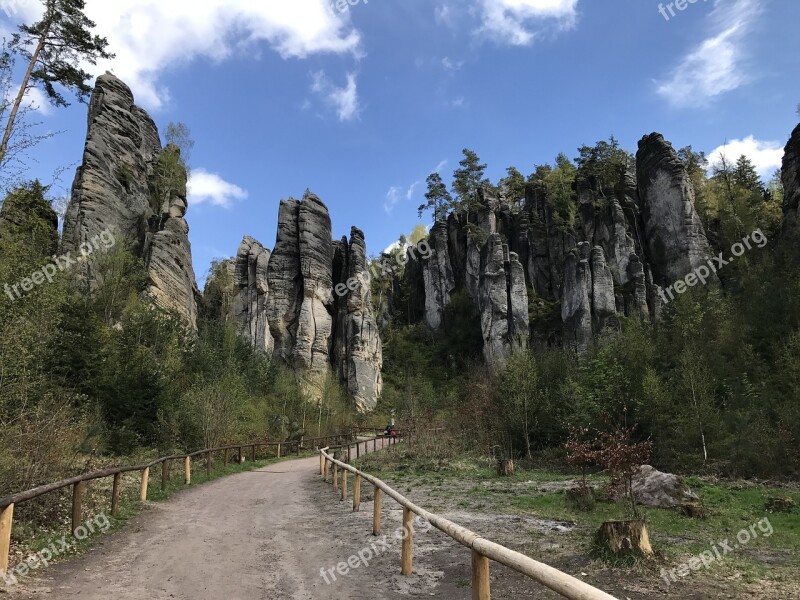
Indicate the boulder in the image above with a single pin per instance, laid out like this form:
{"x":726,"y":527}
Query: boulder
{"x":661,"y":490}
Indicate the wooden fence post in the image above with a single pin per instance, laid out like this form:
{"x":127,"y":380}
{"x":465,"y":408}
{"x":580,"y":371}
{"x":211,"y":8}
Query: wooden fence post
{"x":335,"y":477}
{"x":187,"y":470}
{"x":408,"y":541}
{"x":376,"y":512}
{"x":327,"y":470}
{"x":375,"y":444}
{"x":164,"y":475}
{"x":240,"y":455}
{"x":143,"y":488}
{"x":321,"y":464}
{"x":344,"y":484}
{"x":297,"y":448}
{"x":480,"y":577}
{"x":209,"y":458}
{"x":6,"y":520}
{"x":225,"y":457}
{"x":115,"y":491}
{"x":279,"y":449}
{"x":254,"y":453}
{"x":357,"y":494}
{"x":358,"y":449}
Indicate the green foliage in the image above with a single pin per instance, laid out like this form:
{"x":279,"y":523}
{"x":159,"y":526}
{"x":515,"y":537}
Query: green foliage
{"x":556,"y":185}
{"x":439,"y":199}
{"x":603,"y":166}
{"x":467,"y":181}
{"x":57,"y":45}
{"x":170,"y":178}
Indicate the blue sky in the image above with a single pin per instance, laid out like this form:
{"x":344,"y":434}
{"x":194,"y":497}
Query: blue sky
{"x":361,"y":105}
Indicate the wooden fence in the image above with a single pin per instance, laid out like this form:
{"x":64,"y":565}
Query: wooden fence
{"x":78,"y":482}
{"x":482,"y":549}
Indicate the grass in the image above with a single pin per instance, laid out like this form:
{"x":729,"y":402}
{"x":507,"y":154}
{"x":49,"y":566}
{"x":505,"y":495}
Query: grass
{"x":471,"y":484}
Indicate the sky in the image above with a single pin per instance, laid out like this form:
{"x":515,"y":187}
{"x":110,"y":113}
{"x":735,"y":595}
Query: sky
{"x":360,"y":101}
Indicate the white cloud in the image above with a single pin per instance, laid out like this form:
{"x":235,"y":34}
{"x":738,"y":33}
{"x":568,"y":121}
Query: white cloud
{"x":205,"y":187}
{"x":444,"y":15}
{"x":716,"y":65}
{"x":34,"y":99}
{"x":519,"y":22}
{"x":343,"y":99}
{"x":766,"y":156}
{"x":151,"y":36}
{"x":397,"y":194}
{"x":451,"y":65}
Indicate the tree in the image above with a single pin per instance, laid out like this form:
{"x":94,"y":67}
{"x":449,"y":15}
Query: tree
{"x":23,"y":138}
{"x":178,"y":134}
{"x":603,"y":165}
{"x":468,"y":180}
{"x":519,"y":386}
{"x":513,"y":186}
{"x":55,"y":47}
{"x":746,"y":176}
{"x":439,"y":199}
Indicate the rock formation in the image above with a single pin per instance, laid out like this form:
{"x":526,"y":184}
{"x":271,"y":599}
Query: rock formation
{"x":676,"y":241}
{"x":252,"y":286}
{"x":309,"y":304}
{"x":791,"y":185}
{"x":357,"y":350}
{"x":438,"y":276}
{"x":625,"y":242}
{"x":300,"y":277}
{"x":131,"y":187}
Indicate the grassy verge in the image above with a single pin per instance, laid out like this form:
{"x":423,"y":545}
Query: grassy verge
{"x":470,"y":484}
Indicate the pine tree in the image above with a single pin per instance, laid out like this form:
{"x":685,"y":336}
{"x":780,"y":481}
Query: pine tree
{"x":55,"y":47}
{"x":439,"y":199}
{"x":468,"y":180}
{"x":746,"y":176}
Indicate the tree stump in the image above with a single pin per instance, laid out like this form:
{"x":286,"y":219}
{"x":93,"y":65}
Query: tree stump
{"x":775,"y":504}
{"x":505,"y":467}
{"x":694,"y":510}
{"x":625,"y":538}
{"x":581,"y":498}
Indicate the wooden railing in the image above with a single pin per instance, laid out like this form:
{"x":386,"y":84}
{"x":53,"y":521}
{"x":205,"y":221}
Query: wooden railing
{"x":78,"y":482}
{"x":482,"y":549}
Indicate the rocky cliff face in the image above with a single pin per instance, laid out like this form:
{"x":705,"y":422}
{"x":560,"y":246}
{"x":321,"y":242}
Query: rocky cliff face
{"x":308,"y":302}
{"x":252,"y":290}
{"x":676,"y":241}
{"x":791,"y":185}
{"x":623,"y":245}
{"x":127,"y":184}
{"x":357,"y":351}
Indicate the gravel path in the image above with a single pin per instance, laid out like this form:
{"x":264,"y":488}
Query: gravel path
{"x":264,"y":534}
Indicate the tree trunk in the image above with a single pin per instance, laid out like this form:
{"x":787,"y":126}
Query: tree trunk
{"x":625,"y":538}
{"x":21,"y":94}
{"x":505,"y":467}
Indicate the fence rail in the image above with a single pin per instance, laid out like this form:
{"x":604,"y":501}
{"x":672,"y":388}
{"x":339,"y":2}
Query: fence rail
{"x":78,"y":482}
{"x":483,"y":550}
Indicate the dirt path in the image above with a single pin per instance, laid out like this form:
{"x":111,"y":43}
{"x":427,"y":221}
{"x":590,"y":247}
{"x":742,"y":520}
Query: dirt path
{"x":264,"y":534}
